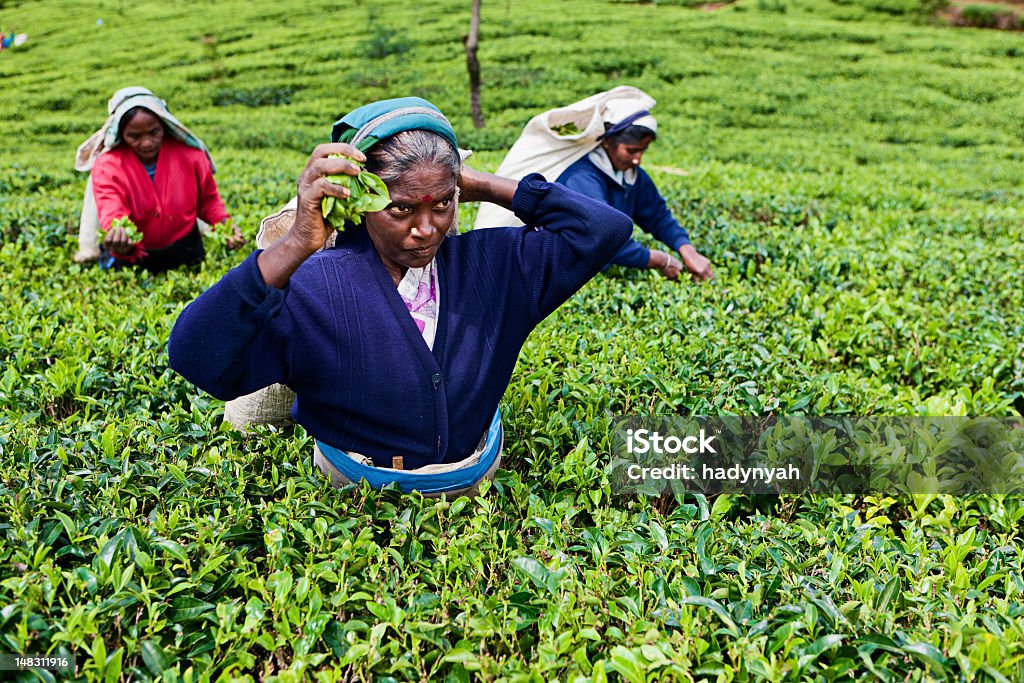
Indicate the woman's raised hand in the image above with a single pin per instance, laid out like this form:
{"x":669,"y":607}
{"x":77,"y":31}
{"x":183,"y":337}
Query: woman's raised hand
{"x":477,"y":186}
{"x":310,"y":230}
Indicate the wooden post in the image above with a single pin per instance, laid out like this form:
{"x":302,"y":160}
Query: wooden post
{"x":473,"y":65}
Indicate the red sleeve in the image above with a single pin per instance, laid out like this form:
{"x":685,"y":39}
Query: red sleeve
{"x":109,"y":191}
{"x":211,"y":208}
{"x":111,"y":195}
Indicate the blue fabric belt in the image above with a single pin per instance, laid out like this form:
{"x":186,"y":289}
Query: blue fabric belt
{"x":424,"y":483}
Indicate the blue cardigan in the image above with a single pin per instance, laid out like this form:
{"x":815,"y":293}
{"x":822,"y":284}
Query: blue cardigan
{"x":341,"y":337}
{"x":641,"y":201}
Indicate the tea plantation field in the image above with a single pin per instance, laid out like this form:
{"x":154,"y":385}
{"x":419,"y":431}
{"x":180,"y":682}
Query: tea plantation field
{"x":853,"y":172}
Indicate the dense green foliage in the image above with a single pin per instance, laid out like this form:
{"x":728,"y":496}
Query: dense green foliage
{"x":854,"y":175}
{"x":990,"y":16}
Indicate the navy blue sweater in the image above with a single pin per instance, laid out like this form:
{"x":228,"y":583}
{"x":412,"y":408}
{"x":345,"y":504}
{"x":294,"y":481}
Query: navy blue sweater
{"x":640,"y":201}
{"x":341,"y":337}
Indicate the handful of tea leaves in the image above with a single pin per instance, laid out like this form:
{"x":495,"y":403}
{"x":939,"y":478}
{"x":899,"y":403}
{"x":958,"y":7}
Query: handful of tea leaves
{"x":126,"y":224}
{"x":368,"y":194}
{"x":566,"y":129}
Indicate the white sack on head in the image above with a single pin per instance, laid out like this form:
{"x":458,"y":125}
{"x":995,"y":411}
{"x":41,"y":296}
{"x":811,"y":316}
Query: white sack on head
{"x":123,"y":101}
{"x":617,"y":110}
{"x":541,"y":149}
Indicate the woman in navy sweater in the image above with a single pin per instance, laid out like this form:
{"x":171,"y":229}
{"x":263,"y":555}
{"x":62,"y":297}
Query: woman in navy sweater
{"x":401,"y":339}
{"x":612,"y":174}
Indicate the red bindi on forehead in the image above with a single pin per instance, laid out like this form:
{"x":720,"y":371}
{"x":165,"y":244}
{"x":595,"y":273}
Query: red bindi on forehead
{"x":427,"y":198}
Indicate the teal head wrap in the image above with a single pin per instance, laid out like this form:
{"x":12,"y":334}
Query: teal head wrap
{"x":365,"y":126}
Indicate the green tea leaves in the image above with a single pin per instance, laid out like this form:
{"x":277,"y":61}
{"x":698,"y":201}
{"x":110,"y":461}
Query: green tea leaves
{"x":368,"y":193}
{"x":566,"y":129}
{"x":125,"y":223}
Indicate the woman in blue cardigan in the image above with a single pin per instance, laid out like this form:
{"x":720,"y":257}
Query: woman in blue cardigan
{"x":612,"y":174}
{"x":400,"y":340}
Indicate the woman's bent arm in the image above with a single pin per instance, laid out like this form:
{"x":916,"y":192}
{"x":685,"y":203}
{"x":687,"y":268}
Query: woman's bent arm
{"x":568,"y":239}
{"x":234,"y":338}
{"x":310,"y":231}
{"x":109,"y":192}
{"x":210,"y":208}
{"x":477,"y":186}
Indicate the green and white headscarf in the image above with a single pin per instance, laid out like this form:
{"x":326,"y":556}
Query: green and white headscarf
{"x":125,"y":99}
{"x":363,"y":127}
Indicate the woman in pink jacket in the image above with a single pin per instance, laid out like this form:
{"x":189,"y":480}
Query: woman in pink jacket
{"x":153,"y":172}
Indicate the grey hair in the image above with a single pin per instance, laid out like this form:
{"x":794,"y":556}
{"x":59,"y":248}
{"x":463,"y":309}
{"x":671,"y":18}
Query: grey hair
{"x":392,"y":157}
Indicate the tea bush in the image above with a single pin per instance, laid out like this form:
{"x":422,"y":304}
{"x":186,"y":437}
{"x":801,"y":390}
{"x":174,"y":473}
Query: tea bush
{"x":990,"y":16}
{"x":854,"y":177}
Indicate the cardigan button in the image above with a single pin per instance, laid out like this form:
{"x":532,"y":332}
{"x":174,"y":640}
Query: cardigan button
{"x":436,"y":379}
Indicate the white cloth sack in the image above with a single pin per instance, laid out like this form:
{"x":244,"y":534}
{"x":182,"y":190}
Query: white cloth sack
{"x":88,"y":228}
{"x":540,"y":149}
{"x":271,"y":405}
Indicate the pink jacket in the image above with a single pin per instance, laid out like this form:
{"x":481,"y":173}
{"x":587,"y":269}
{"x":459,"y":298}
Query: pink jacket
{"x":165,"y":210}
